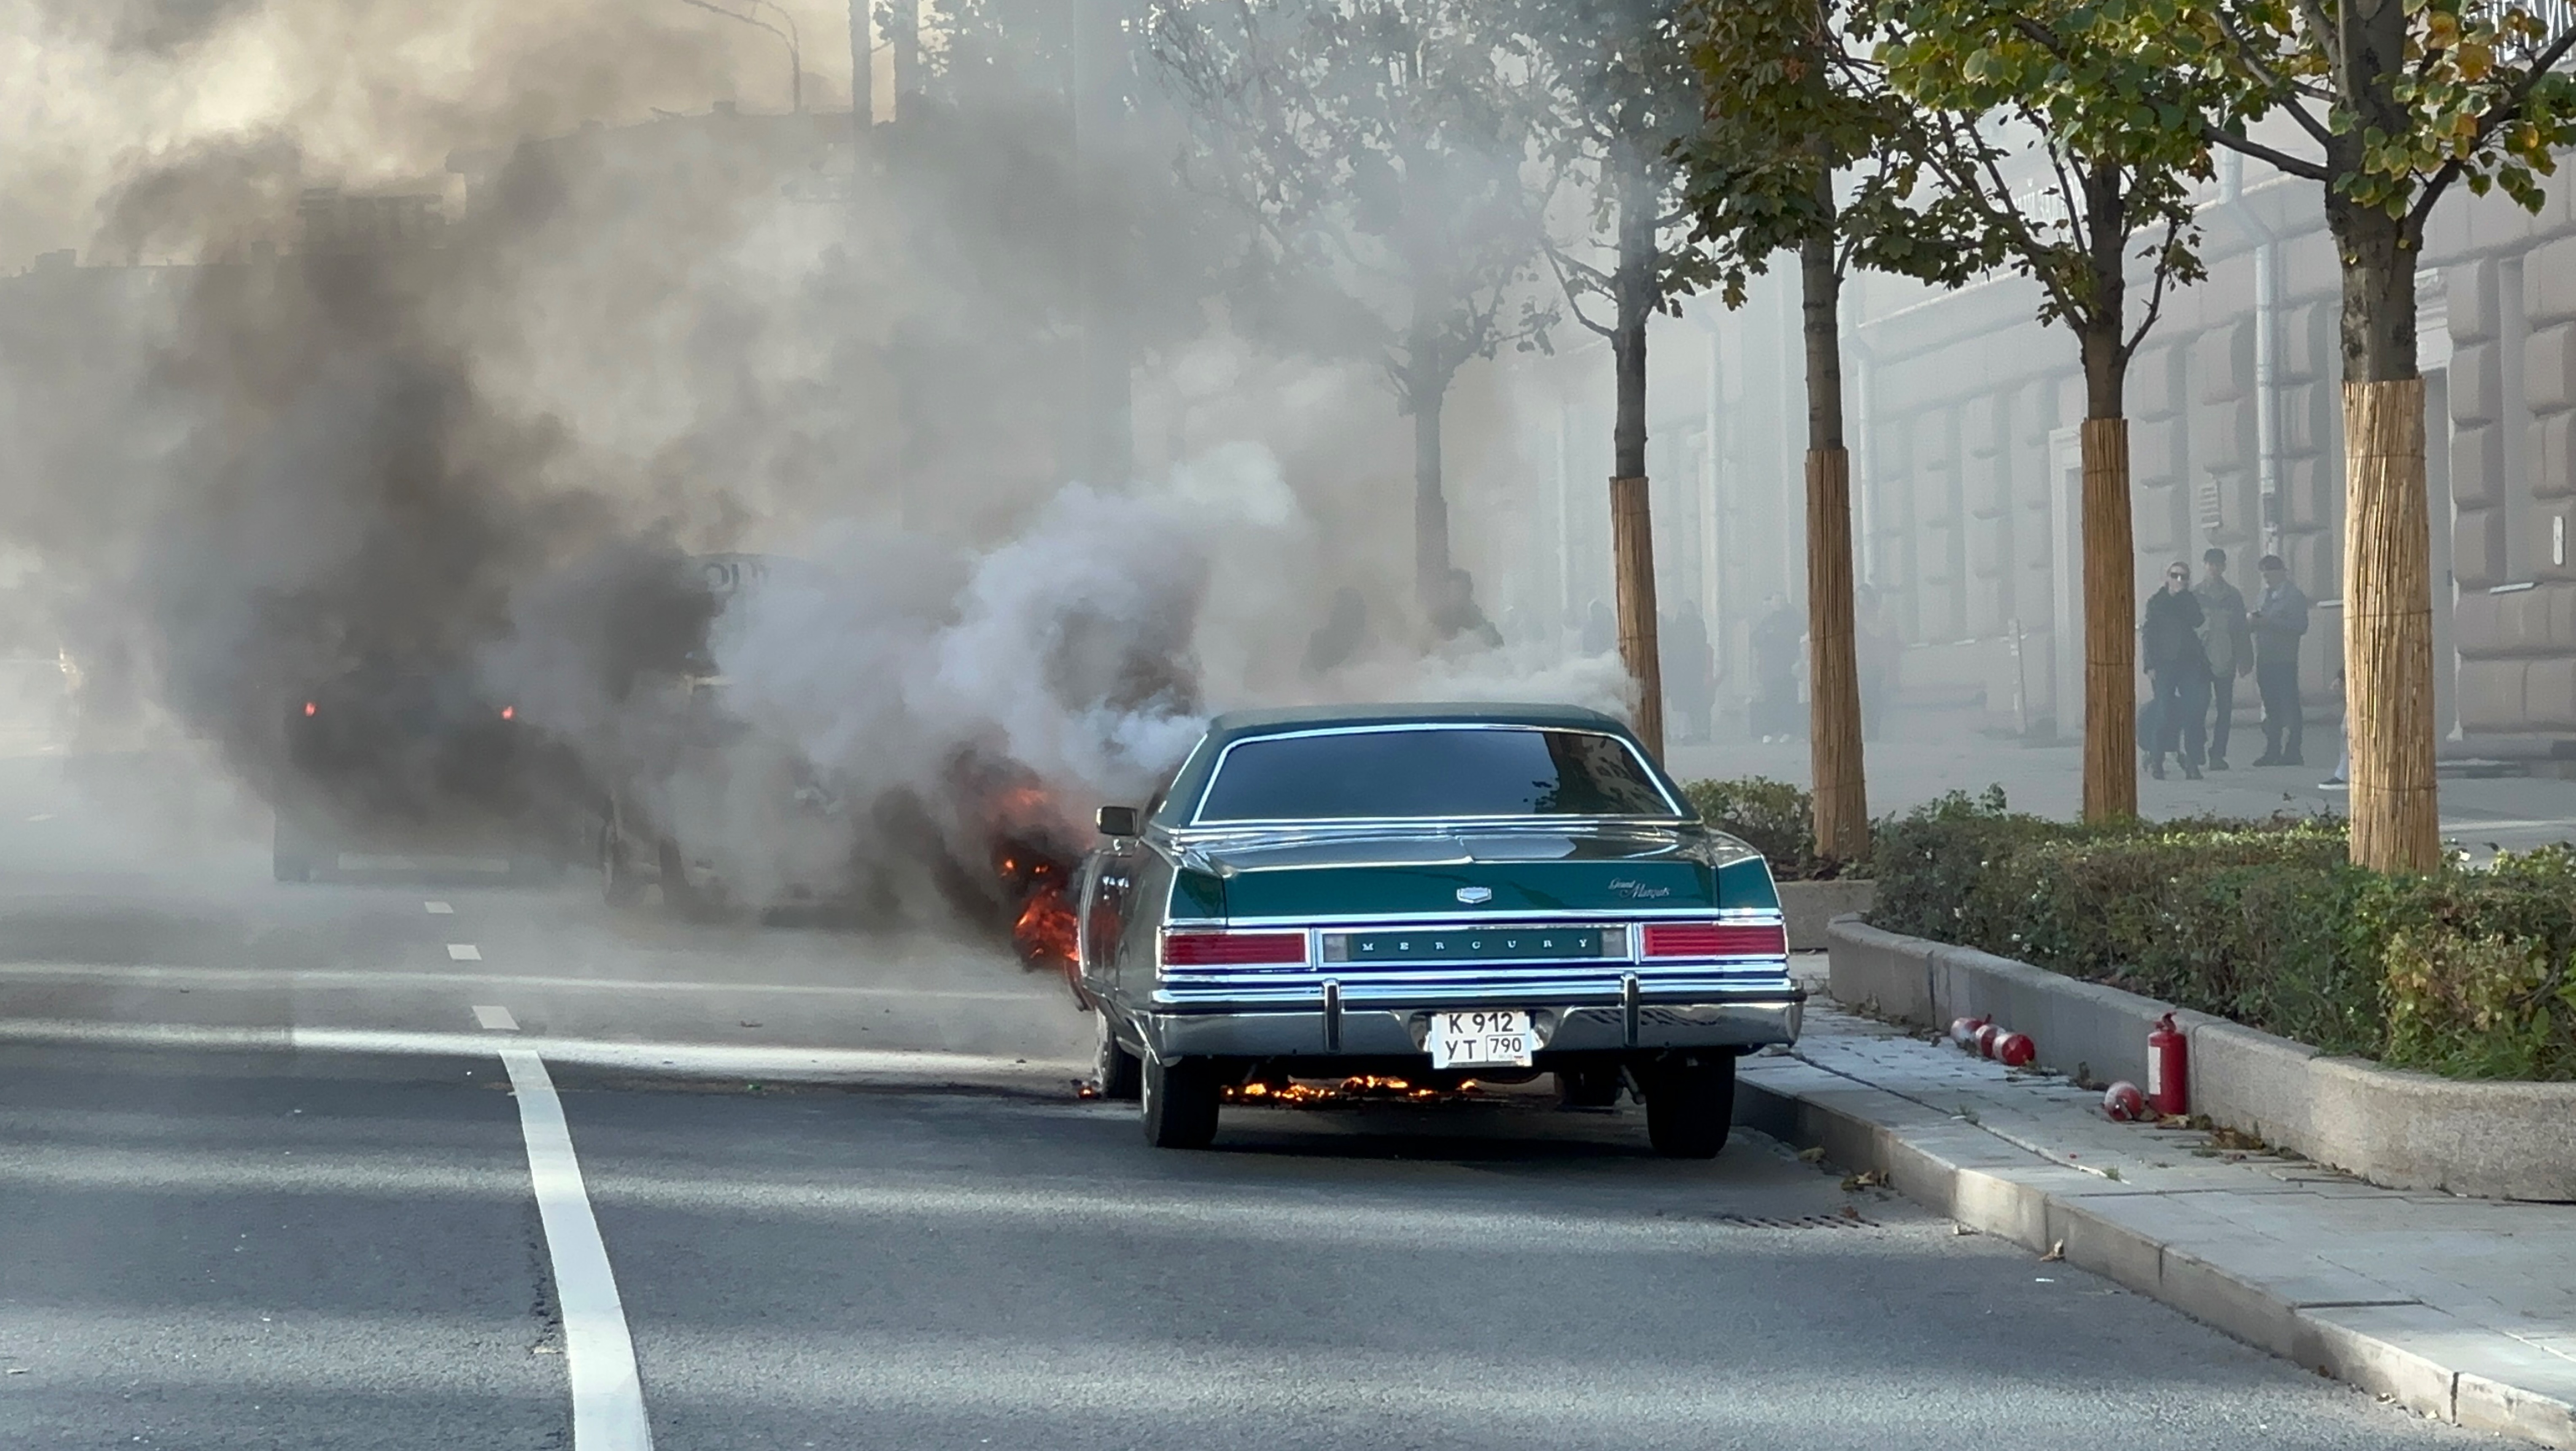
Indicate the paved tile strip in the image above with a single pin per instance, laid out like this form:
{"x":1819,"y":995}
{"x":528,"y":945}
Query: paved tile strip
{"x":2459,"y":1309}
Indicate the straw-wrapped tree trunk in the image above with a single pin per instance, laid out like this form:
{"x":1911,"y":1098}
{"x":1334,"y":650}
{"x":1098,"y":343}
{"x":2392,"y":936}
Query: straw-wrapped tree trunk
{"x":1833,"y":664}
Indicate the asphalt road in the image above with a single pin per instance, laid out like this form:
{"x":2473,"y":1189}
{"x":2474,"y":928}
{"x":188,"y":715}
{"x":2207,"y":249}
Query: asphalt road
{"x":272,"y":1245}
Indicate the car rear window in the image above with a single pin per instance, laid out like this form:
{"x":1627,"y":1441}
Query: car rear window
{"x":1432,"y":772}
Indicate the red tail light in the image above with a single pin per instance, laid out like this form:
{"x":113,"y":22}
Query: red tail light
{"x":1232,"y":949}
{"x":509,"y":712}
{"x":310,"y":707}
{"x":1715,"y":939}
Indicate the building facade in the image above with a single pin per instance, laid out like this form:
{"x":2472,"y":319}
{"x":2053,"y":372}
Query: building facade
{"x":1962,"y":417}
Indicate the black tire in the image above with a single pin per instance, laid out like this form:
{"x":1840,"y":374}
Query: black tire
{"x":618,"y":884}
{"x":1180,"y":1103}
{"x":1588,"y":1087}
{"x":1114,"y":1070}
{"x":1690,"y":1105}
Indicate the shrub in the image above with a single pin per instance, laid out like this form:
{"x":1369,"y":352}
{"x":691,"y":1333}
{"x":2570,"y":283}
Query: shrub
{"x":1776,"y":819}
{"x":2464,"y":972}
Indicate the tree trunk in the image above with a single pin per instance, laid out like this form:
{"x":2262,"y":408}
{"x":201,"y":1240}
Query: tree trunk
{"x":903,"y":38}
{"x":863,"y":71}
{"x":1632,"y":536}
{"x":1430,"y":507}
{"x":2388,"y":547}
{"x":2388,"y":628}
{"x":1833,"y":667}
{"x":1632,"y":556}
{"x":2110,"y":584}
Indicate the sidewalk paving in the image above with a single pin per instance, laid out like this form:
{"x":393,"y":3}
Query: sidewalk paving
{"x":2461,"y":1309}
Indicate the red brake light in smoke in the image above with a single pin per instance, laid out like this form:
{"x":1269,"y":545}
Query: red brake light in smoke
{"x":1232,"y":949}
{"x":310,"y":707}
{"x":509,"y":712}
{"x":1715,"y":939}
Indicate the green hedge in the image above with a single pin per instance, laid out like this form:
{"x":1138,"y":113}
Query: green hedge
{"x":2465,"y":971}
{"x":1775,"y":819}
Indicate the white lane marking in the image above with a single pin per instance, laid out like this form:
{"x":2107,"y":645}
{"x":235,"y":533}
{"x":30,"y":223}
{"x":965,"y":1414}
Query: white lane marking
{"x":880,"y":1065}
{"x":40,"y":816}
{"x":599,"y":1354}
{"x":497,"y":1019}
{"x":464,"y":952}
{"x":438,"y":909}
{"x":398,"y":976}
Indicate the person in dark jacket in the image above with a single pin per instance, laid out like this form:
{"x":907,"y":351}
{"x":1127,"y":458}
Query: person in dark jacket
{"x":2170,"y":645}
{"x":2279,"y":618}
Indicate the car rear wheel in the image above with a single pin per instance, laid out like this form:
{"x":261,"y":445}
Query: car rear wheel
{"x":1588,"y":1087}
{"x":1114,"y":1070}
{"x":1690,"y":1105}
{"x":1180,"y":1099}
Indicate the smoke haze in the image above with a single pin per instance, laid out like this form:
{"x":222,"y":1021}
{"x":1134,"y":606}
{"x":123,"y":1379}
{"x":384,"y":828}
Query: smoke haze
{"x":420,"y":367}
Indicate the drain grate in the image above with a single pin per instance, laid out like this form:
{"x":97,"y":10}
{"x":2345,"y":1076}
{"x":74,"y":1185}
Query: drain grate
{"x":1845,"y":1220}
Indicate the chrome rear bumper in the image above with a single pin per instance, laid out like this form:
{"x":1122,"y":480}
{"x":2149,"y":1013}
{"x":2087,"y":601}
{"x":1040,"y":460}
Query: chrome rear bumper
{"x":1750,"y":1020}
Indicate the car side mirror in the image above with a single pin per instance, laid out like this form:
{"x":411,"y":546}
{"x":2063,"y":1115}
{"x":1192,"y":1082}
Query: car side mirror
{"x":1116,"y":820}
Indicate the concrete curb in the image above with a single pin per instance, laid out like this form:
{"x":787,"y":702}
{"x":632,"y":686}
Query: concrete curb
{"x":2325,"y":1318}
{"x":2394,"y":1127}
{"x":1810,"y":907}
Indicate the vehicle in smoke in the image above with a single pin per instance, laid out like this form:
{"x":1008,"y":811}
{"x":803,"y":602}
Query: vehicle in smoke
{"x":1435,"y":893}
{"x":410,"y":758}
{"x":708,"y":805}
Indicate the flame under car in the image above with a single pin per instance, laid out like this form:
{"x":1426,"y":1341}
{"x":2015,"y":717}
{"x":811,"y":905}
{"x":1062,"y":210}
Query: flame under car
{"x":1428,"y":893}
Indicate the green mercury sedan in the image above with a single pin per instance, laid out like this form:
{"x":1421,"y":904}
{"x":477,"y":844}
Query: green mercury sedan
{"x":1430,"y":892}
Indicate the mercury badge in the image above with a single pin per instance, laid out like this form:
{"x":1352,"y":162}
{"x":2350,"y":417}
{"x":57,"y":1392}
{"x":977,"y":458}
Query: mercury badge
{"x":1473,"y":895}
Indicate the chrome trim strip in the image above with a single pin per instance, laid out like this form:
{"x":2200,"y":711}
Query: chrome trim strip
{"x":1509,"y":917}
{"x":1332,"y":1016}
{"x":1628,"y":1007}
{"x":1653,"y":777}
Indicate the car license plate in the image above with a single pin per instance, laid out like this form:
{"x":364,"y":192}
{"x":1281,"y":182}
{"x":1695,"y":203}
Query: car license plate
{"x":1482,"y":1038}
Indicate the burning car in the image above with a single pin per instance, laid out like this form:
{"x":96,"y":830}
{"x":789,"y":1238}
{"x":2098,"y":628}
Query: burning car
{"x":403,"y":759}
{"x":1431,"y":892}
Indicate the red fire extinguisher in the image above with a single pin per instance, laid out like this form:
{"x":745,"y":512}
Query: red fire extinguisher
{"x":2168,"y":1069}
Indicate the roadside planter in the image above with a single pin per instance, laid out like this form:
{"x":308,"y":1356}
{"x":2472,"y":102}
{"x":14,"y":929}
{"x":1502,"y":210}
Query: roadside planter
{"x":1811,"y":906}
{"x":2394,"y":1127}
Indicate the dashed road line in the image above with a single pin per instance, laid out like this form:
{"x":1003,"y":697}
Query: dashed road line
{"x":438,"y":909}
{"x":599,"y":1352}
{"x":464,"y":952}
{"x":497,"y":1019}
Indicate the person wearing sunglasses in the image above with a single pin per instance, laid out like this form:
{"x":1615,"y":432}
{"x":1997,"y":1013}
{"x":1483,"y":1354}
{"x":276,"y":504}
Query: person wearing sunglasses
{"x":2170,"y":648}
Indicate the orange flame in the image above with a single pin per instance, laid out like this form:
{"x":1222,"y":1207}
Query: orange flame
{"x":1044,"y":932}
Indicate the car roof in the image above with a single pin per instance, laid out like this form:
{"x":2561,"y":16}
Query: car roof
{"x":1234,"y":725}
{"x":1186,"y":788}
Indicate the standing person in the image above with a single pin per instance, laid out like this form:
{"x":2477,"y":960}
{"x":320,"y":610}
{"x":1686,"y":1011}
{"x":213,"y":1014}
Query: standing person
{"x":2279,"y":618}
{"x":2171,"y":648}
{"x":1456,"y":614}
{"x":1690,"y":673}
{"x":2227,"y":642}
{"x":1775,"y":670}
